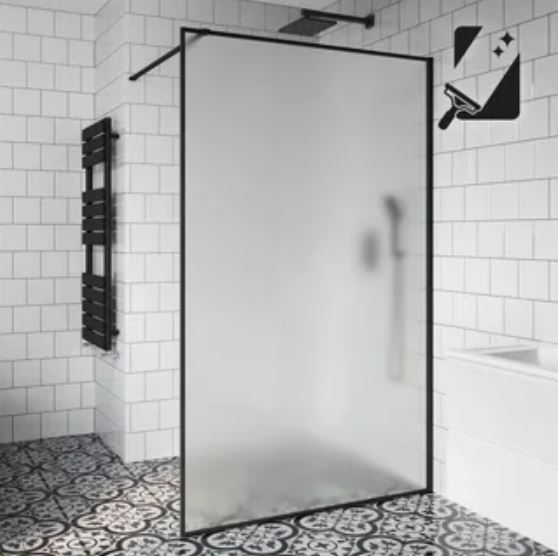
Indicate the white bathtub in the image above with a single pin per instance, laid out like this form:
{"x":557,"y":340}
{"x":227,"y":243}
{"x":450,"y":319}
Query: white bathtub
{"x":502,"y":441}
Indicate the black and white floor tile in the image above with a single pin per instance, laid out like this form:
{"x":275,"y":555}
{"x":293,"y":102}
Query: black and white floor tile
{"x":73,"y":497}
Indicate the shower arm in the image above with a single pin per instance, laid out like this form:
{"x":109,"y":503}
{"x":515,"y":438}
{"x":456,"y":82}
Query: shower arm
{"x":367,"y":21}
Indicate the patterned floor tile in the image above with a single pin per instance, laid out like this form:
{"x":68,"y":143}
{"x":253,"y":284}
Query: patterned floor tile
{"x":72,"y":496}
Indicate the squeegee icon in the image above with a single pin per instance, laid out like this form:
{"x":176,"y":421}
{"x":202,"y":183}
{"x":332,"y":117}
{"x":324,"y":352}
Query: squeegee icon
{"x":504,"y":101}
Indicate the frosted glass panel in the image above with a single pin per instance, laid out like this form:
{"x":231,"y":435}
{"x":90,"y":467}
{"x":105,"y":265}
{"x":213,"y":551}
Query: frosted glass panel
{"x":305,"y":278}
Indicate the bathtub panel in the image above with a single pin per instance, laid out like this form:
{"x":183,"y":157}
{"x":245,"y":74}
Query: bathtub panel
{"x":503,"y":485}
{"x":511,"y":410}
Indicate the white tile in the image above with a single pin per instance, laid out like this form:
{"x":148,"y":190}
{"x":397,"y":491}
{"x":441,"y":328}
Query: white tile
{"x":533,"y":199}
{"x":491,"y":15}
{"x":176,"y":9}
{"x":27,"y":265}
{"x":429,"y":9}
{"x":453,"y":273}
{"x":441,"y":33}
{"x":6,"y":430}
{"x":12,"y":292}
{"x":27,"y":156}
{"x":40,"y":130}
{"x":252,"y":14}
{"x":409,"y":14}
{"x":464,"y":167}
{"x":80,"y":106}
{"x":39,"y":345}
{"x":54,"y":424}
{"x":80,"y":421}
{"x":464,"y":239}
{"x":519,"y":240}
{"x":67,"y":25}
{"x":40,"y":399}
{"x":27,"y":319}
{"x":533,"y":122}
{"x":544,"y":72}
{"x":81,"y":368}
{"x":54,"y":264}
{"x":27,"y":211}
{"x":546,"y":246}
{"x":67,"y":396}
{"x":54,"y":103}
{"x":144,"y":416}
{"x":490,"y":314}
{"x":158,"y":444}
{"x":12,"y":238}
{"x":67,"y":78}
{"x":533,"y":38}
{"x":80,"y":53}
{"x":144,"y":356}
{"x":520,"y":161}
{"x":158,"y":31}
{"x":544,"y":6}
{"x":477,"y":275}
{"x":40,"y":76}
{"x":491,"y":239}
{"x":6,"y":375}
{"x":452,"y":203}
{"x":504,"y":278}
{"x":170,"y":413}
{"x":518,"y":11}
{"x":54,"y":51}
{"x":533,"y":279}
{"x":54,"y":371}
{"x":491,"y":163}
{"x":68,"y":343}
{"x":554,"y":32}
{"x":27,"y":427}
{"x":26,"y":373}
{"x":13,"y":402}
{"x":54,"y":317}
{"x":12,"y":128}
{"x":158,"y":385}
{"x":40,"y":291}
{"x":546,"y":316}
{"x":464,"y":310}
{"x":27,"y":102}
{"x":554,"y":198}
{"x":40,"y":22}
{"x":27,"y":48}
{"x":227,"y":12}
{"x":134,"y":446}
{"x":504,"y":201}
{"x":13,"y":18}
{"x":546,"y":161}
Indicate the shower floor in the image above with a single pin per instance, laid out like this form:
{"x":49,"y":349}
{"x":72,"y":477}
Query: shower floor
{"x":72,"y":496}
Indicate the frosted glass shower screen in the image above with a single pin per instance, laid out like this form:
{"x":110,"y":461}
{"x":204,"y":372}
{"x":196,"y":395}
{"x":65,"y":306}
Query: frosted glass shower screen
{"x":305,"y":280}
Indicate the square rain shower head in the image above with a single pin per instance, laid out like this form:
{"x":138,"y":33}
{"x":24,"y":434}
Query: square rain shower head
{"x":307,"y":26}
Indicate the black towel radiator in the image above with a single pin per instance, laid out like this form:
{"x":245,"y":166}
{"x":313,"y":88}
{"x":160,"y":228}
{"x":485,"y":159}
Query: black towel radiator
{"x":98,"y":311}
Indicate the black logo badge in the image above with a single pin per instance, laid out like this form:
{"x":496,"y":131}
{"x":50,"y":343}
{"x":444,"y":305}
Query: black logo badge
{"x":504,"y":101}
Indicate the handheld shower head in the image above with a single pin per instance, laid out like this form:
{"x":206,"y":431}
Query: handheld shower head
{"x":393,"y":207}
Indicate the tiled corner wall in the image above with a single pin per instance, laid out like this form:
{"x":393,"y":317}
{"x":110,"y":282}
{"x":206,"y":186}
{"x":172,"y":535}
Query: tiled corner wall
{"x":46,"y":97}
{"x":496,"y":183}
{"x":137,"y":387}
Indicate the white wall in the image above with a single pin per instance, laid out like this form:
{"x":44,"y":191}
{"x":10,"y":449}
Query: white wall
{"x":137,"y":387}
{"x":496,"y":196}
{"x":58,"y":72}
{"x":46,"y":97}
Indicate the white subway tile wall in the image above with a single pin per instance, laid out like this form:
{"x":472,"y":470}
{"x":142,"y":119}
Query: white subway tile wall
{"x":46,"y":378}
{"x":137,"y":387}
{"x":496,"y":186}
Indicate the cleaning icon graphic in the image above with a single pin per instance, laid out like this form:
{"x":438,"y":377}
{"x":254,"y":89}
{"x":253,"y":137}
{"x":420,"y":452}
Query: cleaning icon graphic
{"x":503,"y":102}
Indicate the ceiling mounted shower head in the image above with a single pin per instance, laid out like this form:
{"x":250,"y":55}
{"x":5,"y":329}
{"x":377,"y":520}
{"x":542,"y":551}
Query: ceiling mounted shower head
{"x":314,"y":22}
{"x":307,"y":27}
